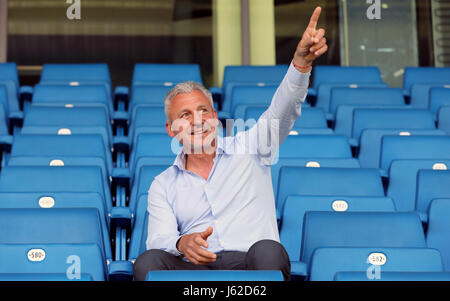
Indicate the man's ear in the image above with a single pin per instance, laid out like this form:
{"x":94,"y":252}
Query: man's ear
{"x":169,"y":129}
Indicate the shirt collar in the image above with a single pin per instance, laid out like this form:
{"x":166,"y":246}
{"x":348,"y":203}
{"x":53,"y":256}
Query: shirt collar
{"x":180,"y":160}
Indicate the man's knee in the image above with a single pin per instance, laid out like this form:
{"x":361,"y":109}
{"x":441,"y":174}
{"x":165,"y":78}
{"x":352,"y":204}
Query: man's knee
{"x":268,"y":255}
{"x":151,"y":260}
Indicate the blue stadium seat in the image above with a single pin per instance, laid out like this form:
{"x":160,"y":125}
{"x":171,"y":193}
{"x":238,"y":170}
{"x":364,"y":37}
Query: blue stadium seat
{"x":243,"y":96}
{"x":362,"y":96}
{"x":374,"y":261}
{"x":345,"y":114}
{"x":147,"y":95}
{"x":79,"y":120}
{"x":403,"y":180}
{"x":140,"y":229}
{"x":41,"y":227}
{"x":370,"y":143}
{"x":9,"y":90}
{"x":295,"y":208}
{"x":42,"y":277}
{"x":215,"y":275}
{"x":403,"y":119}
{"x":444,"y":119}
{"x":420,"y":94}
{"x":312,"y":163}
{"x":311,"y":118}
{"x":149,"y":148}
{"x":250,"y":76}
{"x":56,"y":179}
{"x":315,"y":146}
{"x":438,"y":229}
{"x":394,"y":276}
{"x":424,"y":75}
{"x":413,"y":147}
{"x":165,"y":74}
{"x":72,"y":96}
{"x":431,"y":184}
{"x":147,"y":119}
{"x":346,"y":182}
{"x":69,"y":149}
{"x":345,"y":75}
{"x":77,"y":75}
{"x":359,"y":229}
{"x":439,"y":97}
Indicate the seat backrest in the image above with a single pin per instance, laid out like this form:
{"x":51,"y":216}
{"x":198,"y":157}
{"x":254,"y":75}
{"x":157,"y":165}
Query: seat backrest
{"x":8,"y":71}
{"x":254,"y":74}
{"x":374,"y":262}
{"x":251,"y":95}
{"x":365,"y":95}
{"x":45,"y":260}
{"x":390,"y":119}
{"x":444,"y":119}
{"x":403,"y":180}
{"x":425,"y":75}
{"x":215,"y":275}
{"x":315,"y":146}
{"x":346,"y":75}
{"x":145,"y":147}
{"x":310,"y":117}
{"x":75,"y":72}
{"x":53,"y":226}
{"x":438,"y":229}
{"x":348,"y":182}
{"x":393,"y":276}
{"x":360,"y":229}
{"x":431,"y":184}
{"x":413,"y":147}
{"x":295,"y":208}
{"x":439,"y":97}
{"x":165,"y":74}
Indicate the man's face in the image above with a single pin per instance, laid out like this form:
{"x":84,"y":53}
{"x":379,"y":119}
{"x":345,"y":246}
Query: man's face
{"x":194,"y":122}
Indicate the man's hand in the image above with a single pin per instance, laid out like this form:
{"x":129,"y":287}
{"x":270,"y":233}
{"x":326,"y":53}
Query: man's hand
{"x":312,"y":45}
{"x":191,"y":246}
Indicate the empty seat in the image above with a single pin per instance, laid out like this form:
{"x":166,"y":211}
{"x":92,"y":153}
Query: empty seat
{"x":147,"y":119}
{"x":243,"y":96}
{"x":9,"y":88}
{"x":413,"y":147}
{"x":424,"y":75}
{"x":295,"y":208}
{"x":55,"y":226}
{"x":250,"y":76}
{"x":326,"y":262}
{"x":215,"y":275}
{"x":439,"y":97}
{"x":360,"y":229}
{"x":77,"y":75}
{"x":403,"y":119}
{"x":72,"y":96}
{"x":438,"y":229}
{"x":420,"y":94}
{"x":431,"y":184}
{"x":57,"y":150}
{"x":444,"y":119}
{"x":165,"y":74}
{"x":362,"y":96}
{"x":147,"y":95}
{"x":393,"y":276}
{"x":315,"y":146}
{"x":347,"y":182}
{"x":77,"y":120}
{"x":370,"y":143}
{"x":55,"y":179}
{"x":403,"y":180}
{"x":51,"y":262}
{"x":311,"y":163}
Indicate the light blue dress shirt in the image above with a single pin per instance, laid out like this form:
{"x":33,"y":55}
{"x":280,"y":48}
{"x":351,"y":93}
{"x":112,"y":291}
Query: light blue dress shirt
{"x":237,"y":199}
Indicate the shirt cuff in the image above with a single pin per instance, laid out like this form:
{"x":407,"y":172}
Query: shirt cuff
{"x":298,"y":78}
{"x":173,"y":246}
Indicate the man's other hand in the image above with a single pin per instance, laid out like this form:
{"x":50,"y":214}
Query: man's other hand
{"x":191,"y":246}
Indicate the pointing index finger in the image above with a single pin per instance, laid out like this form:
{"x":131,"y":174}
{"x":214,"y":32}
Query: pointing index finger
{"x":315,"y":17}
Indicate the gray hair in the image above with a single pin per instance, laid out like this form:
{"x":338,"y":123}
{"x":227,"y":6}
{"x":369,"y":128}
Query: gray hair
{"x":185,"y":87}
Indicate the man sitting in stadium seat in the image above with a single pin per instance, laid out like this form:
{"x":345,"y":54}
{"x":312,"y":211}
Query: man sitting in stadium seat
{"x":214,"y":207}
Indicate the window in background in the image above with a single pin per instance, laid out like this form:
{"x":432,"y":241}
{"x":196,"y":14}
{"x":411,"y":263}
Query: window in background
{"x":120,"y":33}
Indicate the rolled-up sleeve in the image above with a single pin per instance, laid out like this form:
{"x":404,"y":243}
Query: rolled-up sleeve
{"x":275,"y":123}
{"x":163,"y":231}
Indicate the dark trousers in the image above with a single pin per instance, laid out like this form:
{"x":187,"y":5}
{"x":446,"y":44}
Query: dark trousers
{"x":263,"y":255}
